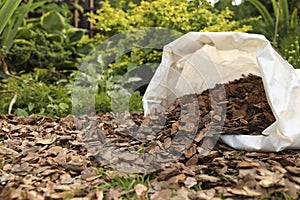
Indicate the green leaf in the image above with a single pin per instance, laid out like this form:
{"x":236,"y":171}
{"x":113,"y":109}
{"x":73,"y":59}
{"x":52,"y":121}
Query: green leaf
{"x":53,"y":21}
{"x":84,"y":49}
{"x":53,"y":106}
{"x":36,"y":5}
{"x":21,"y":112}
{"x":30,"y":106}
{"x":6,"y":11}
{"x":50,"y":98}
{"x":24,"y":33}
{"x":294,"y":18}
{"x":63,"y":106}
{"x":11,"y":30}
{"x":275,"y":8}
{"x":284,"y":8}
{"x":117,"y":78}
{"x":264,"y":12}
{"x":75,"y":35}
{"x":78,"y":7}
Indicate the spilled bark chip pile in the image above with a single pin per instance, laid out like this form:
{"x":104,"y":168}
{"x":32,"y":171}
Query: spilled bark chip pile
{"x":45,"y":158}
{"x":238,"y":107}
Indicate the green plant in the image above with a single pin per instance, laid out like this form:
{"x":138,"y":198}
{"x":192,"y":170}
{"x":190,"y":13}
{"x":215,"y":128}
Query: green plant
{"x":125,"y":182}
{"x":135,"y":102}
{"x":36,"y":97}
{"x":281,"y":27}
{"x":290,"y":50}
{"x":7,"y":161}
{"x":273,"y":194}
{"x":49,"y":41}
{"x":281,"y":23}
{"x":12,"y":17}
{"x":120,"y":76}
{"x":182,"y":16}
{"x":241,"y":12}
{"x":109,"y":95}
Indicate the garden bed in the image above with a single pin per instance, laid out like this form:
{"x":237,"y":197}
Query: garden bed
{"x":47,"y":158}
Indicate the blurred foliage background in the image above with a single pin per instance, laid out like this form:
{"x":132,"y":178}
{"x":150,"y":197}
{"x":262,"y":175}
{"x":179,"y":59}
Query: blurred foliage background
{"x":41,"y":55}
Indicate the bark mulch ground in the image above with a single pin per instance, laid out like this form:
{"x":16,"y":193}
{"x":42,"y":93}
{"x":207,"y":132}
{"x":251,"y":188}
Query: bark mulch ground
{"x":86,"y":157}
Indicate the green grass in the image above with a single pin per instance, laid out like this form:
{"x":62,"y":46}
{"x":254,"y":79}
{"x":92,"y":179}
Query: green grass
{"x":271,"y":194}
{"x":123,"y":182}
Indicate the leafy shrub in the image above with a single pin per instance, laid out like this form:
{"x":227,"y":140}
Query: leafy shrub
{"x":94,"y":91}
{"x":241,"y":12}
{"x":182,"y":16}
{"x":290,"y":50}
{"x":34,"y":96}
{"x":49,"y":41}
{"x":114,"y":17}
{"x":280,"y":25}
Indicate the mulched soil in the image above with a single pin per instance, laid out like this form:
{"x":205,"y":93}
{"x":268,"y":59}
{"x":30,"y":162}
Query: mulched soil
{"x":72,"y":157}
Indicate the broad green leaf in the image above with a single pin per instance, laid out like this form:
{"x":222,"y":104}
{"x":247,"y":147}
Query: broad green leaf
{"x":24,"y":33}
{"x":53,"y":21}
{"x":84,"y":49}
{"x":75,"y":35}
